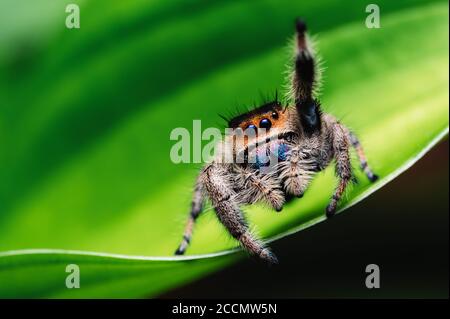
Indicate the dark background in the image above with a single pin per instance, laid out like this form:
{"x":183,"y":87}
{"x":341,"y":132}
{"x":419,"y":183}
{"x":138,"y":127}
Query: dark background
{"x":403,"y":228}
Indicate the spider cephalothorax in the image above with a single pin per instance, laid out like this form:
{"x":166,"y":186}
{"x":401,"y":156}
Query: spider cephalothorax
{"x":301,"y":139}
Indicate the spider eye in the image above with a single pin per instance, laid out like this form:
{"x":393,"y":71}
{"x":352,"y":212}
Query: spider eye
{"x":251,"y":126}
{"x":274,"y":115}
{"x":265,"y":123}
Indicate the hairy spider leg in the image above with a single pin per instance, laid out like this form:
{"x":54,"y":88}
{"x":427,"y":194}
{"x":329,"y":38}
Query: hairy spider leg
{"x":196,"y":209}
{"x":223,"y":198}
{"x":304,"y":80}
{"x":343,"y":166}
{"x":362,"y":157}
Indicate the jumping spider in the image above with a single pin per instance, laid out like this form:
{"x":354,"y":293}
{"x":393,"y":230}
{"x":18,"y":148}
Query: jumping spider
{"x":309,"y":140}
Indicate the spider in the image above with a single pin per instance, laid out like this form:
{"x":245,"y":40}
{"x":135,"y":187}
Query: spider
{"x":306,"y":139}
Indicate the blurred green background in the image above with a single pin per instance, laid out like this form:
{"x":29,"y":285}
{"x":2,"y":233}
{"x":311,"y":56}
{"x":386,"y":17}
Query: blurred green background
{"x":85,"y":118}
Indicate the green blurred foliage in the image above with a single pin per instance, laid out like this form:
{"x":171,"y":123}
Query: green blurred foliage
{"x":85,"y":118}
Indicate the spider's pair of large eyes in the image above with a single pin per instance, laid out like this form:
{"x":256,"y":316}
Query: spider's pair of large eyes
{"x":265,"y":122}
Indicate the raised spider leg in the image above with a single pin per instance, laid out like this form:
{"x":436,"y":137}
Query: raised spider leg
{"x":304,"y":66}
{"x":343,"y":166}
{"x":362,"y":157}
{"x":304,"y":80}
{"x":257,"y":186}
{"x":196,"y":209}
{"x":223,"y":198}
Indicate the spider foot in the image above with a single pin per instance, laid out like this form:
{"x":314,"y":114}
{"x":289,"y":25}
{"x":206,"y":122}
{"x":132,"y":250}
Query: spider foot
{"x":373,"y":177}
{"x":330,"y":210}
{"x":268,"y":256}
{"x":179,"y":252}
{"x":182,"y":248}
{"x":300,"y":26}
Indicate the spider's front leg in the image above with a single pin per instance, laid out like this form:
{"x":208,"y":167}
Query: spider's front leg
{"x":343,"y":165}
{"x":256,"y":186}
{"x":216,"y":180}
{"x":297,"y":171}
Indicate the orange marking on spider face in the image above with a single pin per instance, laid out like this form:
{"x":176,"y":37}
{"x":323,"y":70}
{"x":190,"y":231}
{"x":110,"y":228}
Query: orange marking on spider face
{"x":278,"y":120}
{"x":271,"y":116}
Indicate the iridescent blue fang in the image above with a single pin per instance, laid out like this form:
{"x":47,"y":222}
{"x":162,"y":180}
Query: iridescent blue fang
{"x":265,"y":156}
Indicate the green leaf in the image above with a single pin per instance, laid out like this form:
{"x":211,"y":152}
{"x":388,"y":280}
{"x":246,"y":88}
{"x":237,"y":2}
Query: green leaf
{"x":85,"y":165}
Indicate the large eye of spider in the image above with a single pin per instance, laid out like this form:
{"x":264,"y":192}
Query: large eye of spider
{"x":265,"y":123}
{"x":251,"y":126}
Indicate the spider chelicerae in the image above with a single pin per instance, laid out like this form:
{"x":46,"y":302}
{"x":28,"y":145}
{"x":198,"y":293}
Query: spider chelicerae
{"x":306,"y":140}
